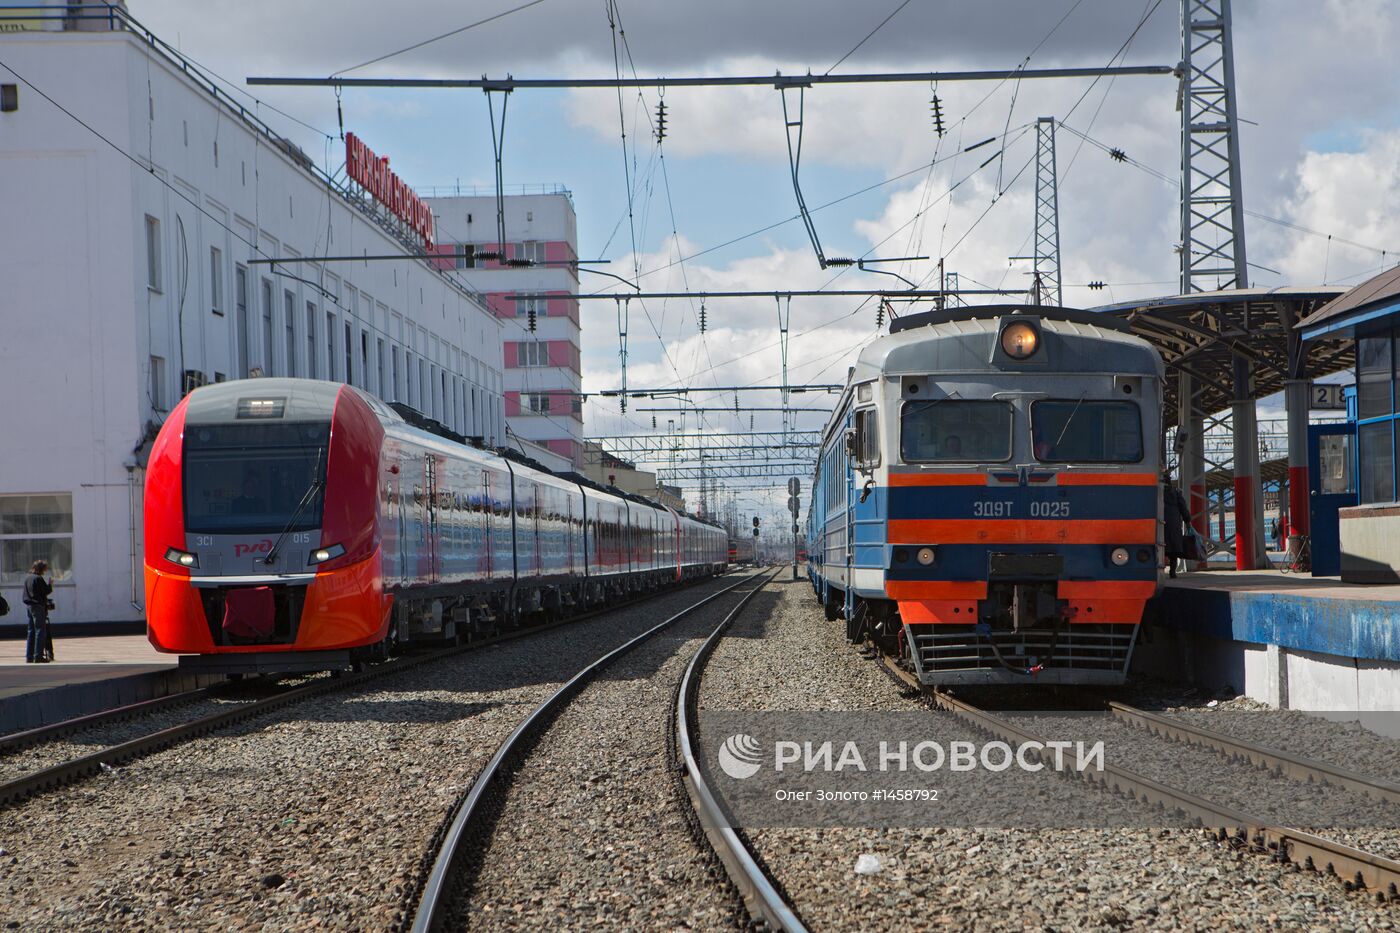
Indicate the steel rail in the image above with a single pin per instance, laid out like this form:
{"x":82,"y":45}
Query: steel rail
{"x":67,"y":772}
{"x":765,"y":903}
{"x":15,"y":741}
{"x":1355,"y":867}
{"x":434,"y":899}
{"x":1286,"y":763}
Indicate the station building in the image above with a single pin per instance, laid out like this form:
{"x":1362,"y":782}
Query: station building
{"x":140,"y":206}
{"x":541,"y":347}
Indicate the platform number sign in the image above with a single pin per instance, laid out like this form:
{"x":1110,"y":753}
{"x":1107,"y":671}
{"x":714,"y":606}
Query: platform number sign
{"x":1328,"y":396}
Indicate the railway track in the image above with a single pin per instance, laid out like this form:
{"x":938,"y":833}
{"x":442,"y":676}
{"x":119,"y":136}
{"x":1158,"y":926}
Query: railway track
{"x":1357,"y":869}
{"x":70,"y":770}
{"x":443,"y":895}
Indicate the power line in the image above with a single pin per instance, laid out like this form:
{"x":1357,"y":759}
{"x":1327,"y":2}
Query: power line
{"x":893,"y":14}
{"x":429,"y":41}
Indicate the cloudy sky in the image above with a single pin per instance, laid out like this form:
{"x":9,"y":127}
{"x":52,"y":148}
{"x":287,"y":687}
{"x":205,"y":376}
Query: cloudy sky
{"x":713,"y":206}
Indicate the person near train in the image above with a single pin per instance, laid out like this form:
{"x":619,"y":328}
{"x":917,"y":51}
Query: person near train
{"x":38,"y":647}
{"x":1175,"y":515}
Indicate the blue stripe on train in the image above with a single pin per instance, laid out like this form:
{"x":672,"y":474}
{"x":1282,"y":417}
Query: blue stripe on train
{"x":1080,"y":502}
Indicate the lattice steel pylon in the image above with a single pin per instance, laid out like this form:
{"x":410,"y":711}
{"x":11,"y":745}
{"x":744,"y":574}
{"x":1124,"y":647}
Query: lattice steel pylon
{"x":1047,"y":216}
{"x":1212,"y":204}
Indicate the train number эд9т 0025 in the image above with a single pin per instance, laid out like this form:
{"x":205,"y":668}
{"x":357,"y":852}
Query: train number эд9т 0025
{"x":1000,"y":508}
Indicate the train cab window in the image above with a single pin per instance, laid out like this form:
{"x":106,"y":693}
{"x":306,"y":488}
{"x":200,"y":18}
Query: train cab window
{"x":250,"y":478}
{"x":955,"y":431}
{"x":867,"y":438}
{"x":1086,"y":431}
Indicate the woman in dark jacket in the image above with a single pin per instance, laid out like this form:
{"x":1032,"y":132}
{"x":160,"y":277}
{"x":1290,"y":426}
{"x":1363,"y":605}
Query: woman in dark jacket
{"x":37,"y":591}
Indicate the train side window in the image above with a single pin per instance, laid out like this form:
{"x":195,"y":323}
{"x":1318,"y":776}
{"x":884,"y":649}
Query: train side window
{"x":867,"y":438}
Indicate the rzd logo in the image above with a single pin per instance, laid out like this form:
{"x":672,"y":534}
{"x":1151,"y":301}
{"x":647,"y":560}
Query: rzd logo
{"x":260,"y":547}
{"x":739,"y":756}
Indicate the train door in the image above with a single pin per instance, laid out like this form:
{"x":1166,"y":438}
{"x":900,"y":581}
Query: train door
{"x":1332,"y":478}
{"x":487,"y":531}
{"x":429,"y":517}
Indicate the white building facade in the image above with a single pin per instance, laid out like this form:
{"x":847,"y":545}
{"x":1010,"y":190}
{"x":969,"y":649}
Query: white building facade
{"x":541,"y":363}
{"x":130,"y":253}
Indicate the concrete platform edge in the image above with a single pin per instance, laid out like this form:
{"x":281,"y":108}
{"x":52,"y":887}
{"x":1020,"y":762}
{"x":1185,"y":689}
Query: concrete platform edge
{"x":41,"y":707}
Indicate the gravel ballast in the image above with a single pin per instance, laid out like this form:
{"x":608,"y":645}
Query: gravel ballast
{"x":314,"y":815}
{"x":593,"y":829}
{"x":940,"y":877}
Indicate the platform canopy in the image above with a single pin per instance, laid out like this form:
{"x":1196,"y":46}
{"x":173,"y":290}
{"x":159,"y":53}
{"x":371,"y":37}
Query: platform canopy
{"x":1201,"y":333}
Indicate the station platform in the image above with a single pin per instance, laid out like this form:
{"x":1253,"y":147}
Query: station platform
{"x":1289,"y":640}
{"x":92,"y":673}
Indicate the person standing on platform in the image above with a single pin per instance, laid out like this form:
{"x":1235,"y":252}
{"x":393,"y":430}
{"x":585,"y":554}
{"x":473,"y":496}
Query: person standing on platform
{"x":37,"y":591}
{"x":1175,"y":515}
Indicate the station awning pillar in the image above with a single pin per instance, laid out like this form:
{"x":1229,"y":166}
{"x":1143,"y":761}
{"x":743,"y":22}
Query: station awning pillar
{"x":1192,"y":456}
{"x":1297,"y":398}
{"x":1250,"y":552}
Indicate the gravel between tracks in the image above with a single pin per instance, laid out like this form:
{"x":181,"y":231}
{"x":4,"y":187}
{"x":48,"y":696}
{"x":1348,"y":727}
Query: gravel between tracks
{"x":314,"y":815}
{"x":92,"y":738}
{"x":592,"y":830}
{"x":991,"y":879}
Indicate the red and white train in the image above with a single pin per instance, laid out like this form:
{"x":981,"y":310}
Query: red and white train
{"x":294,"y":524}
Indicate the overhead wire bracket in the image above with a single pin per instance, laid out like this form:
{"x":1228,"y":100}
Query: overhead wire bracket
{"x":795,"y":163}
{"x":498,"y":142}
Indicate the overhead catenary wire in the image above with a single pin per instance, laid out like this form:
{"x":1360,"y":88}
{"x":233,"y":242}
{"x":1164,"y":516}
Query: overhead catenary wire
{"x":430,"y":40}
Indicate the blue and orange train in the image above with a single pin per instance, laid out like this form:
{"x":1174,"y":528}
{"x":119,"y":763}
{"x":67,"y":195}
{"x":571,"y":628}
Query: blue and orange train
{"x":987,"y":504}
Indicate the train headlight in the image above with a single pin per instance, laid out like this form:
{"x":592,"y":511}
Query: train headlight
{"x":183,"y":558}
{"x":925,"y":556}
{"x":1119,"y":556}
{"x":1019,"y":340}
{"x":323,"y":554}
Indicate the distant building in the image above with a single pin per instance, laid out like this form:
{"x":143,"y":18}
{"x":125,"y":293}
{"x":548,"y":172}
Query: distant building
{"x":541,"y":364}
{"x":127,"y":260}
{"x":608,"y":470}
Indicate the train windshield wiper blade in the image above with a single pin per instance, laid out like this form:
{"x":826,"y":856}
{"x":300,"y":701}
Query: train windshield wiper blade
{"x":316,"y":483}
{"x":1074,"y":411}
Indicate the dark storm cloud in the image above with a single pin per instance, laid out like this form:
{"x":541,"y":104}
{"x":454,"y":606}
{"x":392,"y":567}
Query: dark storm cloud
{"x":665,"y":35}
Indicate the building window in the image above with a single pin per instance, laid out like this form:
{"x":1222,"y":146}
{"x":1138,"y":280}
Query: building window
{"x":216,"y":280}
{"x":385,"y":392}
{"x":1373,"y":376}
{"x":425,"y":388}
{"x":464,"y":256}
{"x":533,"y":250}
{"x":267,"y":327}
{"x":532,"y":353}
{"x":536,"y":403}
{"x":220,"y":377}
{"x":364,"y":359}
{"x":349,"y":355}
{"x":394,"y":374}
{"x":245,"y":335}
{"x":1376,"y":460}
{"x":524,"y":306}
{"x":157,"y":386}
{"x":311,"y":340}
{"x":289,"y":308}
{"x":36,"y":527}
{"x":153,"y":263}
{"x":330,"y":345}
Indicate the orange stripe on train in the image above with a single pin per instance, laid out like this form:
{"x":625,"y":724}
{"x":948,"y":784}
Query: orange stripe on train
{"x":1021,"y":531}
{"x":938,"y":479}
{"x":1107,"y":479}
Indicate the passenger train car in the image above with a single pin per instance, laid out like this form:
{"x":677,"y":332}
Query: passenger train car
{"x":987,"y":502}
{"x":293,"y":524}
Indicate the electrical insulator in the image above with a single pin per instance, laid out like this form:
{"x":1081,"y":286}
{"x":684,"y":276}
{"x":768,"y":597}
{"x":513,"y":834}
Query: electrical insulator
{"x":736,"y":401}
{"x":653,"y":422}
{"x":935,"y":107}
{"x":702,"y":317}
{"x":660,"y":120}
{"x":530,"y":318}
{"x":1117,"y":155}
{"x":880,"y":314}
{"x":1097,"y":286}
{"x":750,"y":421}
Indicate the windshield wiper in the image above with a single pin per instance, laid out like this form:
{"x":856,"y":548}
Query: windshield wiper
{"x":1074,"y":411}
{"x":316,"y":483}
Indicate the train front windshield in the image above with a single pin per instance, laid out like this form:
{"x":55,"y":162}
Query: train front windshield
{"x":250,"y":478}
{"x":1086,"y":431}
